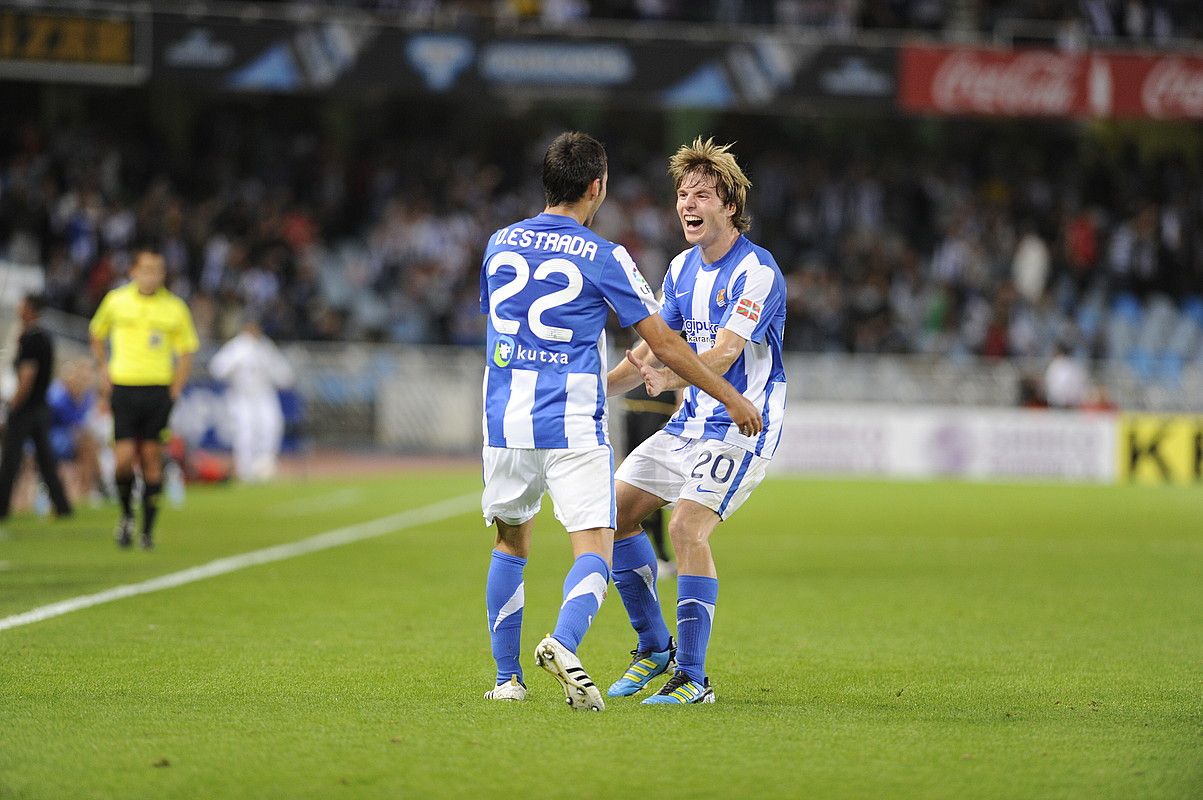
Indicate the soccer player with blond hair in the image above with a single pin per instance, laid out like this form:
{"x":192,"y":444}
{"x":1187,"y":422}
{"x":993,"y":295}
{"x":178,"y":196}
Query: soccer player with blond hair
{"x":726,"y":296}
{"x":548,"y":284}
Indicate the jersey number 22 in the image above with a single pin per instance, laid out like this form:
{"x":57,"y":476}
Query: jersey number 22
{"x":522,"y":276}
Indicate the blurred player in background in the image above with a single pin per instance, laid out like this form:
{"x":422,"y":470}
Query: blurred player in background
{"x":548,"y":284}
{"x":254,"y":370}
{"x":728,"y":297}
{"x":143,"y":340}
{"x":1066,"y":380}
{"x":73,"y":428}
{"x":28,"y":417}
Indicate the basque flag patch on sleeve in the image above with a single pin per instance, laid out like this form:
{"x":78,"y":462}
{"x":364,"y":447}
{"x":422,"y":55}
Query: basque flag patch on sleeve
{"x":749,"y":308}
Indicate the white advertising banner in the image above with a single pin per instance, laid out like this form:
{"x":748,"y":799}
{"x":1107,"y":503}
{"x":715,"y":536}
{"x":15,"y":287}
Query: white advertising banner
{"x":958,"y":442}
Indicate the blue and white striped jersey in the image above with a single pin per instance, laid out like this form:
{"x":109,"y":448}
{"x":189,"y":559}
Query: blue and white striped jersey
{"x":548,"y":284}
{"x":745,"y":292}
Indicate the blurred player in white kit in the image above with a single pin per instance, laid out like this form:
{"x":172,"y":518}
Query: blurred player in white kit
{"x":254,"y":370}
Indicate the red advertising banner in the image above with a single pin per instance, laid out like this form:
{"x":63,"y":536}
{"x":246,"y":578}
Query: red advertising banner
{"x":979,"y":81}
{"x":1048,"y":83}
{"x":1157,"y":87}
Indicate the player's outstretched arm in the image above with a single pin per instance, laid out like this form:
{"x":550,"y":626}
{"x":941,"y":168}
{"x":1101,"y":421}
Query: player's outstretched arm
{"x":677,"y":356}
{"x":625,"y":375}
{"x":727,"y":347}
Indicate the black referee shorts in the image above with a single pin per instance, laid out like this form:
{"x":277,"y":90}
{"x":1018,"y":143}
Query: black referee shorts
{"x":140,"y":412}
{"x":642,"y":425}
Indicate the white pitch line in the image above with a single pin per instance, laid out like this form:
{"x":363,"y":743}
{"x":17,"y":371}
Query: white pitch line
{"x":323,"y":541}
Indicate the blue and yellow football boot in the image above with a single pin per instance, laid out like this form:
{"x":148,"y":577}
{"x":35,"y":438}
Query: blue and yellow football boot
{"x":682,"y":690}
{"x":645,"y":665}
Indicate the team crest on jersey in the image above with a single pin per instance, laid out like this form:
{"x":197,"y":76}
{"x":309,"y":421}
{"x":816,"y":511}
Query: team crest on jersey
{"x":749,"y":308}
{"x":156,"y":339}
{"x":720,"y":298}
{"x":503,"y":352}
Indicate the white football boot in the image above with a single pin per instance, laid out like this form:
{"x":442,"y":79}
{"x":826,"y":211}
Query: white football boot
{"x":510,"y":690}
{"x":566,"y":668}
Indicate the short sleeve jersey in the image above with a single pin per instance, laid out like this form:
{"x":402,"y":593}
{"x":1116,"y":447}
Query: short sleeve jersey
{"x":548,"y":284}
{"x":744,"y":292}
{"x":145,"y":333}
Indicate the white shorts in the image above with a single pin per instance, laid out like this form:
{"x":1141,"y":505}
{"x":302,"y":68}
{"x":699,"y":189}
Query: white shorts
{"x":581,"y":483}
{"x":710,"y":472}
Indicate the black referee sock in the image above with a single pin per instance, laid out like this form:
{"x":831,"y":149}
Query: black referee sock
{"x":654,"y":526}
{"x":150,"y":506}
{"x":125,"y":493}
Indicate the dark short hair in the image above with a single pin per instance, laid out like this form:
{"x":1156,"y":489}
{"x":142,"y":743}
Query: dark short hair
{"x":36,"y":301}
{"x":572,"y":162}
{"x":146,"y":244}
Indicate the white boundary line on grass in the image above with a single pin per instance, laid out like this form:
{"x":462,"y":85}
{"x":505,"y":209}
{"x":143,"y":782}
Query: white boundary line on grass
{"x":445,"y":509}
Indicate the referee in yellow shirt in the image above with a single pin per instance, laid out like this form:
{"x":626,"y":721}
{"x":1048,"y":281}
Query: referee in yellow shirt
{"x":143,"y":340}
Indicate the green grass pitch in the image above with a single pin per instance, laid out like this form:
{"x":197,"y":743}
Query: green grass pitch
{"x":872,"y":640}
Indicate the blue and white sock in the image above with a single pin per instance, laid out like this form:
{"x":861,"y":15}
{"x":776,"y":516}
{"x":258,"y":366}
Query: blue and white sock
{"x":505,"y":596}
{"x":696,"y":598}
{"x":584,"y":590}
{"x":635,"y":574}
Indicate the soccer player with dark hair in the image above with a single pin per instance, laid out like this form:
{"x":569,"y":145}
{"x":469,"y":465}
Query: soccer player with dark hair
{"x":28,"y":413}
{"x":548,"y":284}
{"x":143,"y":340}
{"x":727,"y":296}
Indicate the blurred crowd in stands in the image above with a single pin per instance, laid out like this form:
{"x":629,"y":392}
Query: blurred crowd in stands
{"x":1072,"y":23}
{"x":989,"y":255}
{"x":1149,"y":22}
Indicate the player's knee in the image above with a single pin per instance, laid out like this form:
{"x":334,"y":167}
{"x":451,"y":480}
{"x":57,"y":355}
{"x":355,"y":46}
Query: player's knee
{"x":686,"y":536}
{"x":627,"y":526}
{"x":512,"y":539}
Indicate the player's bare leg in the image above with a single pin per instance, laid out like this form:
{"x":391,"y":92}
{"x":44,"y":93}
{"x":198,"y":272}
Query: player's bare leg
{"x":689,"y":530}
{"x":634,"y":506}
{"x":87,"y":461}
{"x":514,"y":540}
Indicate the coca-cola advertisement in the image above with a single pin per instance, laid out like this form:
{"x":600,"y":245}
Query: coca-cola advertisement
{"x":1157,"y":87}
{"x":1048,"y":83}
{"x":981,"y":81}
